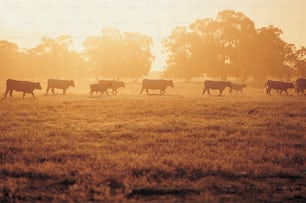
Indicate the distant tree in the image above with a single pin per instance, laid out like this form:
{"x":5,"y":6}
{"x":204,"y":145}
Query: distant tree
{"x":54,"y":58}
{"x":228,"y":46}
{"x":10,"y":57}
{"x":117,"y":55}
{"x":297,"y":60}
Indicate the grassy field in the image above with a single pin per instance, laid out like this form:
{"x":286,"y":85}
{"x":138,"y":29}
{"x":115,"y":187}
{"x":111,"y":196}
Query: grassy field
{"x":179,"y":147}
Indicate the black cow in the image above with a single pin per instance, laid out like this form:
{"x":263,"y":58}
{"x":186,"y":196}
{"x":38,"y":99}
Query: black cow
{"x":115,"y":85}
{"x":219,"y":85}
{"x":237,"y":87}
{"x":300,"y":85}
{"x":99,"y":88}
{"x":277,"y":85}
{"x":59,"y":84}
{"x":156,"y":85}
{"x":21,"y":86}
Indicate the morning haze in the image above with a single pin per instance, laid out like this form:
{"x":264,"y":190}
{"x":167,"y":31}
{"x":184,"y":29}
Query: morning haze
{"x":152,"y":101}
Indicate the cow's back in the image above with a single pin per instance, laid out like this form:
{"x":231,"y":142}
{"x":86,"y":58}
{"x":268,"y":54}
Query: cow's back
{"x":301,"y":82}
{"x":15,"y":85}
{"x":279,"y":85}
{"x":215,"y":84}
{"x":23,"y":86}
{"x":55,"y":83}
{"x":154,"y":84}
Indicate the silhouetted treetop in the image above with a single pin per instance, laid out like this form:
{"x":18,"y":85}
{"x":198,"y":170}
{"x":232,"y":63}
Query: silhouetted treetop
{"x":116,"y":54}
{"x":230,"y":46}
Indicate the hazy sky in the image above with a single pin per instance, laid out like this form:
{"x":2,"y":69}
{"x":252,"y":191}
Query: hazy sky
{"x":26,"y":21}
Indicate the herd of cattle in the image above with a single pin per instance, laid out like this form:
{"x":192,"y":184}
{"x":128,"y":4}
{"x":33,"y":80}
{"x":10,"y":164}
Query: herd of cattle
{"x":103,"y":85}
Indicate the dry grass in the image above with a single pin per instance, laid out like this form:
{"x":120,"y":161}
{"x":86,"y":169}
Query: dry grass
{"x":130,"y":147}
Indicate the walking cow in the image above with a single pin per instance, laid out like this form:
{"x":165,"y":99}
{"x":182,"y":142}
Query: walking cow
{"x":156,"y":85}
{"x":278,"y":85}
{"x":21,"y":86}
{"x":115,"y":85}
{"x":219,"y":85}
{"x":59,"y":84}
{"x":300,"y":85}
{"x":99,"y":88}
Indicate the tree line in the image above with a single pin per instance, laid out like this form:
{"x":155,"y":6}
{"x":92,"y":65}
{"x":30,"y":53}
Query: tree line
{"x":231,"y":46}
{"x":227,"y":46}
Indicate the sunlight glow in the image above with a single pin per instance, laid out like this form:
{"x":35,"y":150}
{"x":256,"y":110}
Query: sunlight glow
{"x":26,"y":21}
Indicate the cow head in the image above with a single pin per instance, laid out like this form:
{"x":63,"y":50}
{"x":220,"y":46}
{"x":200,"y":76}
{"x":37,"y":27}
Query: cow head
{"x":71,"y":83}
{"x":37,"y":86}
{"x":170,"y":83}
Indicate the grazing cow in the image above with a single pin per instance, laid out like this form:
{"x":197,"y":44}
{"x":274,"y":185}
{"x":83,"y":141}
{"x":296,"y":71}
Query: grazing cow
{"x":21,"y":86}
{"x":156,"y":84}
{"x":59,"y":84}
{"x":237,"y":87}
{"x":277,"y":85}
{"x":300,"y":85}
{"x":115,"y":85}
{"x":219,"y":85}
{"x":99,"y":88}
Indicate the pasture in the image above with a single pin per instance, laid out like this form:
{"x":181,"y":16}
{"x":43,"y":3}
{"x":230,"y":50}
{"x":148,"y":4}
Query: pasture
{"x":178,"y":147}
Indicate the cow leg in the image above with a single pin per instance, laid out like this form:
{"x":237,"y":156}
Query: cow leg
{"x":5,"y":94}
{"x":141,"y":90}
{"x":106,"y":92}
{"x":23,"y":94}
{"x":47,"y":90}
{"x":220,"y":92}
{"x":11,"y":93}
{"x":53,"y":91}
{"x":64,"y":91}
{"x":268,"y":91}
{"x":286,"y":92}
{"x":303,"y":92}
{"x":147,"y":90}
{"x":208,"y":92}
{"x":204,"y":90}
{"x":230,"y":90}
{"x":33,"y":95}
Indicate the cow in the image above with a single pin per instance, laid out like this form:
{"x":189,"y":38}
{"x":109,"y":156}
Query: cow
{"x":156,"y":85}
{"x":277,"y":85}
{"x":59,"y":84}
{"x":115,"y":85}
{"x":237,"y":87}
{"x":99,"y":88}
{"x":21,"y":86}
{"x":300,"y":85}
{"x":219,"y":85}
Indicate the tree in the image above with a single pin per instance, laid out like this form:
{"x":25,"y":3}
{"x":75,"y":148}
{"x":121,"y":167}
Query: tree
{"x":54,"y":58}
{"x":117,"y":55}
{"x":227,"y":46}
{"x":10,"y":56}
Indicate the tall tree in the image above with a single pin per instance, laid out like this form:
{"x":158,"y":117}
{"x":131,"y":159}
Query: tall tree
{"x":10,"y":56}
{"x":117,"y":55}
{"x":54,"y":58}
{"x":227,"y":46}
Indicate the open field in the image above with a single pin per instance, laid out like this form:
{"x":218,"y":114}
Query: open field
{"x":130,"y":147}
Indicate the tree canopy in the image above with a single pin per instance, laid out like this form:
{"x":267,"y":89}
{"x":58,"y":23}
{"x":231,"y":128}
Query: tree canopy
{"x":231,"y":46}
{"x":119,"y":55}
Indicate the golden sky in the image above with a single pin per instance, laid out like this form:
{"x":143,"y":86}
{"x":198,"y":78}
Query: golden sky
{"x":26,"y":21}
